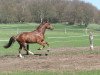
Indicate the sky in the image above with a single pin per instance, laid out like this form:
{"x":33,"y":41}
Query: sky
{"x":94,"y":2}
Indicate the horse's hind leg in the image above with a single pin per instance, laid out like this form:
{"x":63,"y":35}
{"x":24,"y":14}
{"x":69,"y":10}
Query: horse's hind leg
{"x":28,"y":51}
{"x":26,"y":48}
{"x":20,"y":48}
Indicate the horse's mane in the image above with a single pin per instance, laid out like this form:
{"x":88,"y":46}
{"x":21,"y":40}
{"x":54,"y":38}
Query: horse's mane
{"x":42,"y":24}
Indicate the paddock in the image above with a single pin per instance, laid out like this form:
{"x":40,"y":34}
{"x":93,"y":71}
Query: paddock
{"x":59,"y":59}
{"x":69,"y":50}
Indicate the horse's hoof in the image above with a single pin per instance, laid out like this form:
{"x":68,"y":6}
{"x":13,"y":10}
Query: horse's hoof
{"x":39,"y":49}
{"x":27,"y":53}
{"x":48,"y":50}
{"x":40,"y":54}
{"x":31,"y":53}
{"x":20,"y":56}
{"x":46,"y":54}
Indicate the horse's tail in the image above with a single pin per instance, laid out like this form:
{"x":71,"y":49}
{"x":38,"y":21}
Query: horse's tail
{"x":11,"y":41}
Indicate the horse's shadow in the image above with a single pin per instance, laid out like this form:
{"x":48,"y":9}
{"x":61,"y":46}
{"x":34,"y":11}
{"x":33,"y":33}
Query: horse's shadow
{"x":37,"y":54}
{"x":25,"y":55}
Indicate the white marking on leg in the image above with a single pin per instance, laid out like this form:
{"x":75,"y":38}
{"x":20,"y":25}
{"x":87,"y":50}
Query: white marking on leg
{"x":41,"y":48}
{"x":20,"y":55}
{"x":31,"y":52}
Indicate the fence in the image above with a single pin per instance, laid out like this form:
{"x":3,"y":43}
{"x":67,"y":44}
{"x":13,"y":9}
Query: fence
{"x":26,"y":30}
{"x":56,"y":33}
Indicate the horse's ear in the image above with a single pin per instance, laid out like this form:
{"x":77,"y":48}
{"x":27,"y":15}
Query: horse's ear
{"x":46,"y":21}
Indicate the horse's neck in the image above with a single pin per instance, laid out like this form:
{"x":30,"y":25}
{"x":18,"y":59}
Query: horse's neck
{"x":42,"y":30}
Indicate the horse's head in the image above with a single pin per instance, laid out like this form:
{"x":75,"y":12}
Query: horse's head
{"x":48,"y":25}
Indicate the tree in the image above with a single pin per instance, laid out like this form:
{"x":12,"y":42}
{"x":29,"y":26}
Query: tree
{"x":71,"y":11}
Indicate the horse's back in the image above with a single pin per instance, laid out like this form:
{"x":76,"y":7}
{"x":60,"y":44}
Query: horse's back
{"x":30,"y":37}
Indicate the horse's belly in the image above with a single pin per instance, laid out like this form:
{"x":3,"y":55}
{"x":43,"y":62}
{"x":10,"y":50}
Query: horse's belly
{"x":31,"y":40}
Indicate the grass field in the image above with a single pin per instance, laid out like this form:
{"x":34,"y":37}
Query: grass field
{"x":54,"y":73}
{"x":61,"y":37}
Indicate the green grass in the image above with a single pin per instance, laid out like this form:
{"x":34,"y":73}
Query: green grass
{"x":94,"y":72}
{"x":36,"y":73}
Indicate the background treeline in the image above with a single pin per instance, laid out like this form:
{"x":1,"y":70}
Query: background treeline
{"x":69,"y":11}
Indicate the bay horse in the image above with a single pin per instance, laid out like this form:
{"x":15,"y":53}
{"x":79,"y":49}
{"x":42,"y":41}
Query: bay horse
{"x":25,"y":38}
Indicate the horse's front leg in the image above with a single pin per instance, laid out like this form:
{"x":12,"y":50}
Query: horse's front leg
{"x":43,"y":43}
{"x":47,"y":44}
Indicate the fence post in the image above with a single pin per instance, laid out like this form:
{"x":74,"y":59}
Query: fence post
{"x":17,"y":30}
{"x":86,"y":31}
{"x":91,"y":40}
{"x":65,"y":30}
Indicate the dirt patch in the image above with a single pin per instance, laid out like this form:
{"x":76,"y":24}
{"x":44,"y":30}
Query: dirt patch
{"x":58,"y":59}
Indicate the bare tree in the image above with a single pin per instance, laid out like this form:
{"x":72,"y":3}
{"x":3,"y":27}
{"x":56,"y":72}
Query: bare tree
{"x":72,"y":11}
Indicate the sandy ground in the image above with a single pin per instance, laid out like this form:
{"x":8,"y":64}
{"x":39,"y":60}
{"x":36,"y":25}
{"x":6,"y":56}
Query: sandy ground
{"x":58,"y":59}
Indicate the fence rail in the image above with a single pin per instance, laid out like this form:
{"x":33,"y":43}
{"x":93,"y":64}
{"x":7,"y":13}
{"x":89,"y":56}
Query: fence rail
{"x":65,"y":30}
{"x":66,"y":33}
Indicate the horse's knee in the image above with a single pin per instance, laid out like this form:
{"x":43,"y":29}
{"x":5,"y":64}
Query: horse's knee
{"x":46,"y":43}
